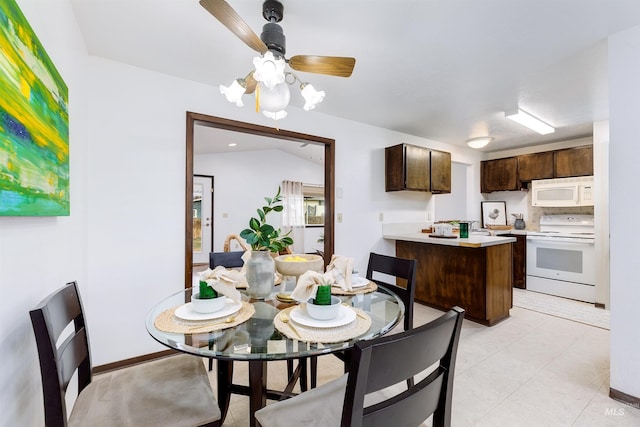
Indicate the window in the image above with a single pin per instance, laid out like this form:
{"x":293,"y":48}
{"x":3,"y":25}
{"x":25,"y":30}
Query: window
{"x":313,"y":205}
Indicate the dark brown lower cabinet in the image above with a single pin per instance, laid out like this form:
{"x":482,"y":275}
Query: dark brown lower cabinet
{"x":519,"y":261}
{"x":476,"y":279}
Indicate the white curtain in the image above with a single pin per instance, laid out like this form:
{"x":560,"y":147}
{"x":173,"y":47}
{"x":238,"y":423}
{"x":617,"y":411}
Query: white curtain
{"x":293,"y":213}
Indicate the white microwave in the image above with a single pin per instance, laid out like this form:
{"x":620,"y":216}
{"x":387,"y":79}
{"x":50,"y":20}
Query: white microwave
{"x":562,"y":192}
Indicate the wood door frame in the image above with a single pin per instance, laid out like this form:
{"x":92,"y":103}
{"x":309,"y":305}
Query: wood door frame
{"x":233,"y":125}
{"x":210,"y":213}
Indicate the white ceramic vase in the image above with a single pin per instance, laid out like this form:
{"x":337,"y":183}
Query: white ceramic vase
{"x":260,"y":269}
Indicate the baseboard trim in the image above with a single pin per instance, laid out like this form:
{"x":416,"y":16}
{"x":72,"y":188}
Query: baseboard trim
{"x":624,"y":398}
{"x":130,"y":362}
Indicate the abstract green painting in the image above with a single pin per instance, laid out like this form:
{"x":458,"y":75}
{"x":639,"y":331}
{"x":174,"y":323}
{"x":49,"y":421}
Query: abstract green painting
{"x":34,"y":123}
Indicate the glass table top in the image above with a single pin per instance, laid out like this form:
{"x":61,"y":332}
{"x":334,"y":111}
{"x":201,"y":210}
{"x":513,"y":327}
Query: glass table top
{"x":258,"y":339}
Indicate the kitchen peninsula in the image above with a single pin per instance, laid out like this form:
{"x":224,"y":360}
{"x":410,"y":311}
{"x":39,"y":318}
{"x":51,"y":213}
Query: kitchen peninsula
{"x":473,"y":273}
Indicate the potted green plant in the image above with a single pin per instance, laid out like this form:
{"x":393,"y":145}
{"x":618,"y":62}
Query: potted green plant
{"x":264,"y":239}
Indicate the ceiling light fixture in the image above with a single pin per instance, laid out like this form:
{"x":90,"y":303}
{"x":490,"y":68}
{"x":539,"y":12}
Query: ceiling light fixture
{"x":234,"y":92}
{"x":270,"y":83}
{"x":527,"y":120}
{"x":479,"y":142}
{"x":271,"y":78}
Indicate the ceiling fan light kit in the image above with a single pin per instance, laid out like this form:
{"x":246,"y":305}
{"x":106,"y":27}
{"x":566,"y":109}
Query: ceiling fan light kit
{"x":527,"y":120}
{"x":269,"y":69}
{"x":311,"y":96}
{"x":274,"y":100}
{"x":272,"y":91}
{"x":234,"y":92}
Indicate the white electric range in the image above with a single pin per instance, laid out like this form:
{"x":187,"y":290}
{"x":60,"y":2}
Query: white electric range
{"x":561,"y":257}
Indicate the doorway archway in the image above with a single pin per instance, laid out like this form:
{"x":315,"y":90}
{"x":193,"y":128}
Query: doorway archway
{"x":236,"y":126}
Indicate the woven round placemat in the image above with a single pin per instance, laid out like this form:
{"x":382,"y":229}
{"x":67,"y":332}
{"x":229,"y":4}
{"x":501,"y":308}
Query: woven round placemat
{"x":371,"y":287}
{"x":167,"y":321}
{"x":323,"y":335}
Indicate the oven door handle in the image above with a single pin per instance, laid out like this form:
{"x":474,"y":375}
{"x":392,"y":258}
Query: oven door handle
{"x":561,"y":240}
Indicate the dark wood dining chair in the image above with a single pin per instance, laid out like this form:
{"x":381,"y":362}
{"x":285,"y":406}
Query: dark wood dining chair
{"x":403,"y":271}
{"x":226,"y":259}
{"x":173,"y":391}
{"x":370,"y":393}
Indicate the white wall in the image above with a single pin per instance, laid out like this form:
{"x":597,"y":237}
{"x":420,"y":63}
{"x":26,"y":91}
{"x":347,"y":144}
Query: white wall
{"x":453,"y":205}
{"x":40,"y":254}
{"x":601,"y":211}
{"x":624,"y":205}
{"x":242,"y":180}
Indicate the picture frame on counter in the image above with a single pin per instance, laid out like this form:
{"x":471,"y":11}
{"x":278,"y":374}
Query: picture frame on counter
{"x":493,"y":213}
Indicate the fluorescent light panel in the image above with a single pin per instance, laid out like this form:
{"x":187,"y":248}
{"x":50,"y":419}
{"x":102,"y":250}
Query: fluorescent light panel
{"x":526,"y":119}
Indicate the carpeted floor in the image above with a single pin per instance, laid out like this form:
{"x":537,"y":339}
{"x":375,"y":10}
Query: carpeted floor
{"x":561,"y":307}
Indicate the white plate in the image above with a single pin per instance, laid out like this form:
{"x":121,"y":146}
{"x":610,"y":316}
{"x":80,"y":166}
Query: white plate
{"x":344,"y":317}
{"x":359,"y":282}
{"x":185,"y":312}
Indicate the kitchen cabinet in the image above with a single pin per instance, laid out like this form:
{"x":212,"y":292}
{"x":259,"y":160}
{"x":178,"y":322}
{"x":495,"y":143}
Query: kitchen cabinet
{"x":499,"y":175}
{"x":513,"y":173}
{"x":519,"y":261}
{"x":477,"y":279}
{"x":415,"y":168}
{"x":577,"y":161}
{"x":440,"y":171}
{"x":535,"y":166}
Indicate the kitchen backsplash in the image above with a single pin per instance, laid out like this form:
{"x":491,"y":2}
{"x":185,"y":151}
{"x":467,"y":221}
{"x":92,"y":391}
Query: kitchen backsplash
{"x":520,"y":202}
{"x":534,"y":212}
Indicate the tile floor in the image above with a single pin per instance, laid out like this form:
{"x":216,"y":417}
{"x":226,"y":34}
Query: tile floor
{"x":532,"y":369}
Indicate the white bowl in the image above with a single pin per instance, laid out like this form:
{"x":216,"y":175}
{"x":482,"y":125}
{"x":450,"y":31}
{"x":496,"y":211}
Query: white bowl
{"x":324,"y":312}
{"x":207,"y":305}
{"x":286,"y":265}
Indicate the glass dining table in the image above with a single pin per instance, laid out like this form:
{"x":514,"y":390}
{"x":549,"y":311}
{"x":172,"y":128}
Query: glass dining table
{"x":265,"y":330}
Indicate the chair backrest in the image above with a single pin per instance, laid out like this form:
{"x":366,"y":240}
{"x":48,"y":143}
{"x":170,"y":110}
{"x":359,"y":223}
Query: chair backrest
{"x":389,"y":360}
{"x":400,"y":268}
{"x":226,"y":259}
{"x":58,"y":363}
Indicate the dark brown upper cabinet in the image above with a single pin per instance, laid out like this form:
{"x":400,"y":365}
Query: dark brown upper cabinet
{"x":576,"y":161}
{"x":415,"y":168}
{"x":535,"y":166}
{"x":514,"y":173}
{"x":440,"y":171}
{"x":499,"y":175}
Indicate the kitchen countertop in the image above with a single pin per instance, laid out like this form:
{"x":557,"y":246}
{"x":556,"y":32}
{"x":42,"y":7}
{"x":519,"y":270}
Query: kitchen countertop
{"x":512,"y":231}
{"x":473,"y":241}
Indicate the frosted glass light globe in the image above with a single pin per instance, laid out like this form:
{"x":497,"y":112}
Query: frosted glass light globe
{"x":274,"y":100}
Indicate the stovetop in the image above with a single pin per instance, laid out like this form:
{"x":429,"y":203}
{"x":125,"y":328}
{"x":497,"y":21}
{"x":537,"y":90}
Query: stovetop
{"x":565,"y":225}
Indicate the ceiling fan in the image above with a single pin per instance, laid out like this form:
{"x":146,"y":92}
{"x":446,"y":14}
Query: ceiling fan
{"x":271,"y":44}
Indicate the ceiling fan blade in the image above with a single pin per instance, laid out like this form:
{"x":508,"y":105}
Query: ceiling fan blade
{"x":224,"y":13}
{"x":332,"y":65}
{"x":250,"y":83}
